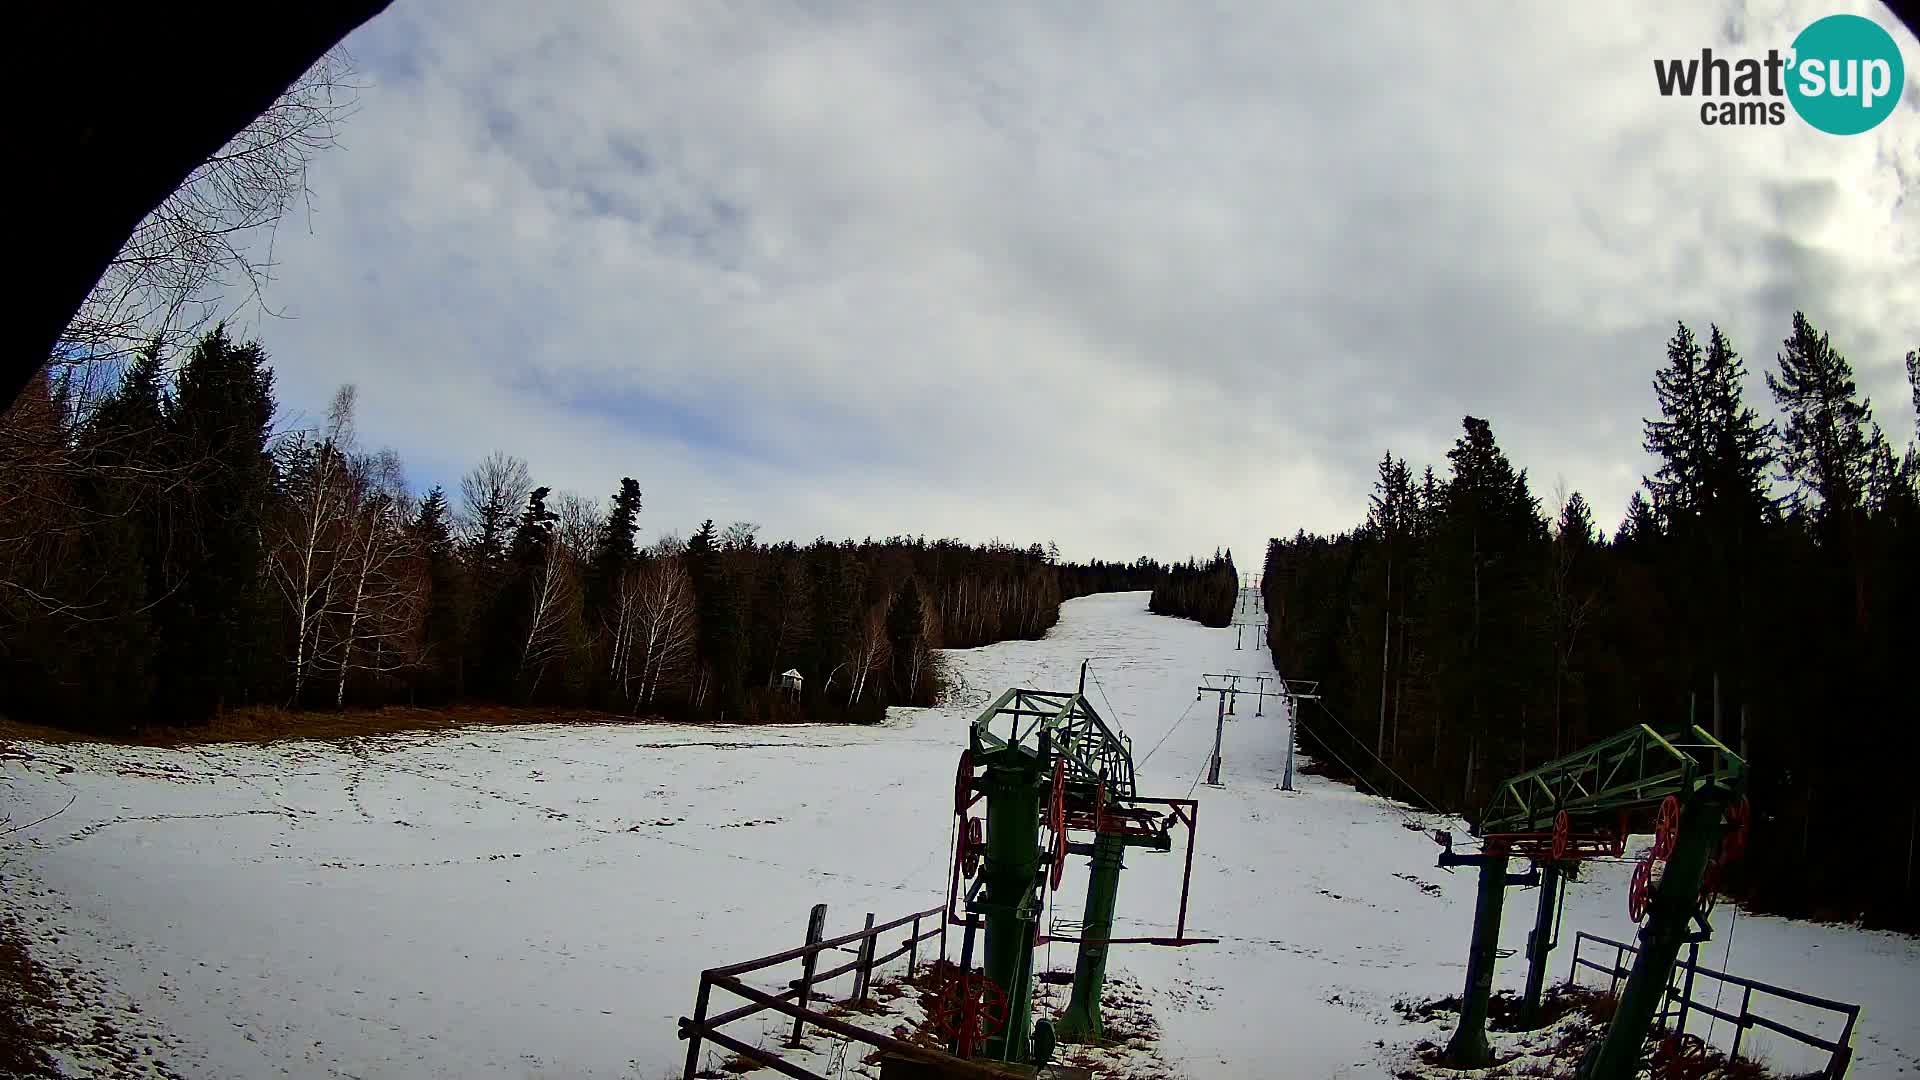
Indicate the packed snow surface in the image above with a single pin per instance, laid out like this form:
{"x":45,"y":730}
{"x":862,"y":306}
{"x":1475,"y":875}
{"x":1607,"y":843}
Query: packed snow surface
{"x":539,"y":901}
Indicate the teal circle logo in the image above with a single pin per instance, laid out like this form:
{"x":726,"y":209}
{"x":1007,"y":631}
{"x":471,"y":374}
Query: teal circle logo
{"x":1846,"y":74}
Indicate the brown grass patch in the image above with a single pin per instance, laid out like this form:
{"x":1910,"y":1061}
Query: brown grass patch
{"x":24,"y":990}
{"x":263,"y":724}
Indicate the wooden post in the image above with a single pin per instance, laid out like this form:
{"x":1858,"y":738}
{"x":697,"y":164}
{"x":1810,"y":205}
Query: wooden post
{"x":694,"y":1029}
{"x":944,"y":920}
{"x":863,"y":974}
{"x":913,"y":947}
{"x":1740,"y":1028}
{"x":816,"y":930}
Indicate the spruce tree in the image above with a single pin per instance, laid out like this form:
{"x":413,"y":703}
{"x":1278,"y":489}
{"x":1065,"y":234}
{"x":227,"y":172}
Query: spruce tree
{"x":722,"y":633}
{"x":216,"y":625}
{"x":1913,"y":380}
{"x":1641,"y":526}
{"x":906,"y":640}
{"x":1490,"y":545}
{"x":614,"y":550}
{"x":1678,"y":437}
{"x":443,"y":631}
{"x":1828,"y":441}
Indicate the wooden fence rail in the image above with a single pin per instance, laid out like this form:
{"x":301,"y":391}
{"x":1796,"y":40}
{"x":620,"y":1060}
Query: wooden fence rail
{"x":794,"y":1001}
{"x":1680,"y":1002}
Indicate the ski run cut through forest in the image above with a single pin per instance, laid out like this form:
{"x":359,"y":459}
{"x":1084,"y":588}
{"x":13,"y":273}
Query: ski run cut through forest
{"x":540,"y":901}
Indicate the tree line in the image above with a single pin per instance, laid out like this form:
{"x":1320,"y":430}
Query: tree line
{"x":1762,"y":585}
{"x":1204,"y":592}
{"x":165,"y":553}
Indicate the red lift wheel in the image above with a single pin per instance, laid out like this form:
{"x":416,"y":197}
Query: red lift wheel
{"x":963,"y":784}
{"x":1739,"y":818}
{"x":1057,"y":821}
{"x":1562,"y":828}
{"x":972,"y":843}
{"x":1666,"y":829}
{"x":970,"y":1008}
{"x":1640,"y":889}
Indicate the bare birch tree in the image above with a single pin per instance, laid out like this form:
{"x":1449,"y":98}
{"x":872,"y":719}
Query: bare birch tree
{"x":578,"y":520}
{"x":381,"y":595}
{"x":869,"y":652}
{"x":214,"y":233}
{"x":316,"y":474}
{"x":555,"y":602}
{"x":664,"y":628}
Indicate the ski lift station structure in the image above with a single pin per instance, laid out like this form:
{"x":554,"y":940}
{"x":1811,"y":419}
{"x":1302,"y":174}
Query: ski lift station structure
{"x":1044,"y":761}
{"x":1687,"y":787}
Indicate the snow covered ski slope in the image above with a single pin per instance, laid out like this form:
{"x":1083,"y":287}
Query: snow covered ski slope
{"x":538,"y":902}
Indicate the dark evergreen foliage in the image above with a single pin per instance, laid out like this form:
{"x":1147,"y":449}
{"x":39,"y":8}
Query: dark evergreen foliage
{"x":174,"y":559}
{"x":1204,"y":593}
{"x":1459,"y":640}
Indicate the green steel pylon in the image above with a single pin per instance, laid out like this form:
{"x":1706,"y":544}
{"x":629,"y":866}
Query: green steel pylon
{"x":1081,"y":1022}
{"x":1530,"y":817}
{"x":1540,"y":943}
{"x":1053,"y":753}
{"x":1015,"y":776}
{"x":1670,"y":911}
{"x":1468,"y":1048}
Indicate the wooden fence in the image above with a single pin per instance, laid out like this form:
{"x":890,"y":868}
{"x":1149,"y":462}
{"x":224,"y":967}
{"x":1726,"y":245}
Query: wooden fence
{"x":795,"y":1000}
{"x":1680,"y":1002}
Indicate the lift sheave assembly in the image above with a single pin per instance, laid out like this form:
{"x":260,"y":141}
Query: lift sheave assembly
{"x":1055,"y":782}
{"x":1686,"y":788}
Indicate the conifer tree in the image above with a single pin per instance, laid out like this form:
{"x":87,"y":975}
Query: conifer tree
{"x":214,"y":623}
{"x":907,"y":643}
{"x":614,"y":550}
{"x":444,"y":631}
{"x":1828,"y":441}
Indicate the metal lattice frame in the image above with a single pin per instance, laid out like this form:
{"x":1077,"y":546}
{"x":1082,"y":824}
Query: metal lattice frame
{"x":1094,"y":753}
{"x":1636,"y":768}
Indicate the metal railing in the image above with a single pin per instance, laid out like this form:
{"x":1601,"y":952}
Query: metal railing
{"x":800,"y":992}
{"x":1680,"y":1004}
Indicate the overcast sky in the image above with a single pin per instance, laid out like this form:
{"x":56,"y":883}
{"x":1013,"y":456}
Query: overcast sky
{"x":1153,"y":281}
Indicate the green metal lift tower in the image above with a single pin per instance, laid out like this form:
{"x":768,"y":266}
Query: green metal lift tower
{"x":1044,"y":760}
{"x":1687,"y":787}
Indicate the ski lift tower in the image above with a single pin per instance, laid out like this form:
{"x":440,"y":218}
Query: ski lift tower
{"x":1687,"y":787}
{"x":1044,"y":758}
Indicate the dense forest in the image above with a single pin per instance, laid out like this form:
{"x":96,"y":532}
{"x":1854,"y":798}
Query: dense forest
{"x":1763,"y":585}
{"x":1203,"y":592}
{"x":165,"y":553}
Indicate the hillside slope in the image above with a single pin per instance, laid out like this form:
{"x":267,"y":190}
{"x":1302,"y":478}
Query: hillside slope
{"x":538,"y":902}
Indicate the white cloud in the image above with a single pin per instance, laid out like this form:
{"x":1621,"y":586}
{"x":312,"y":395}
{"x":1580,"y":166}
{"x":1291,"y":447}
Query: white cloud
{"x":1156,"y":281}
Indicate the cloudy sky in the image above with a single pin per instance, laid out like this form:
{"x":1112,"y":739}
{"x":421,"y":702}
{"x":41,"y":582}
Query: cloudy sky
{"x":1156,"y":280}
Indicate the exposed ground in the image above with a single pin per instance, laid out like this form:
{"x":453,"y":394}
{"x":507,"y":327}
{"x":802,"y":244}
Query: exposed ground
{"x":537,"y":900}
{"x":257,"y":724}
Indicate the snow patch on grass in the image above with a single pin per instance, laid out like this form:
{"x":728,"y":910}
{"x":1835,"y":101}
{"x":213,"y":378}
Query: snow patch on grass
{"x":538,"y":901}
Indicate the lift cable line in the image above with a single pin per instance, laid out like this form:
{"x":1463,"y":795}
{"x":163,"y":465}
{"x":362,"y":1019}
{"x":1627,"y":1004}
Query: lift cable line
{"x":1170,"y":731}
{"x":1363,"y":747}
{"x":1119,"y":722}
